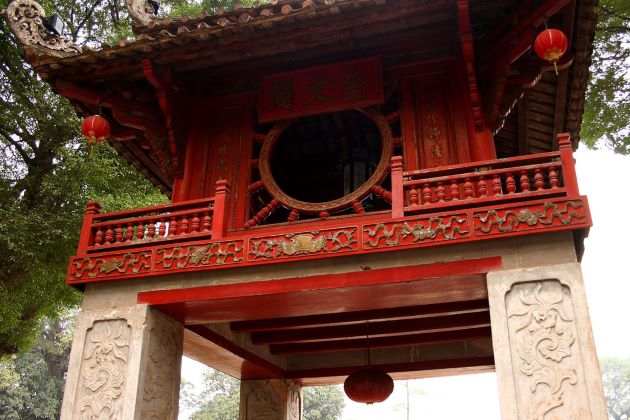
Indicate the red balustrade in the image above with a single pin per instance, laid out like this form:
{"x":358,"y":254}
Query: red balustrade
{"x":480,"y":183}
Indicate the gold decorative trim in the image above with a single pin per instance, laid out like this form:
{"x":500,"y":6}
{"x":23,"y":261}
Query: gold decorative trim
{"x":25,"y":19}
{"x":447,"y":227}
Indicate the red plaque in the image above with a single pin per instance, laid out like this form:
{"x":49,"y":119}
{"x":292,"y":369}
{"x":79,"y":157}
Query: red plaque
{"x":316,"y":90}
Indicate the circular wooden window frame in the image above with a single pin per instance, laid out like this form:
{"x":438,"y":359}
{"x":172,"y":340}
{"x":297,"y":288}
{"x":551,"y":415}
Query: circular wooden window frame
{"x":346,"y":201}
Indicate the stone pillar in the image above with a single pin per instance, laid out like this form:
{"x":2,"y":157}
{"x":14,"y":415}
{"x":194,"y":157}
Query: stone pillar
{"x":271,"y":399}
{"x":125,"y":364}
{"x":544,"y":352}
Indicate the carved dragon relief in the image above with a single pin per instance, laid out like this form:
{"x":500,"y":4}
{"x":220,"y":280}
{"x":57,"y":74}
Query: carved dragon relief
{"x":98,"y":267}
{"x":104,"y":369}
{"x":25,"y":19}
{"x":510,"y":220}
{"x":296,"y":244}
{"x":447,"y":227}
{"x":140,"y":11}
{"x":217,"y":253}
{"x":543,"y":332}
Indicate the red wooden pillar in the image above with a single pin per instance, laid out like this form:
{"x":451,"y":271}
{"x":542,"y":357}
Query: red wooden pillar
{"x":568,"y":164}
{"x":87,"y":235}
{"x":220,"y":212}
{"x":398,"y":198}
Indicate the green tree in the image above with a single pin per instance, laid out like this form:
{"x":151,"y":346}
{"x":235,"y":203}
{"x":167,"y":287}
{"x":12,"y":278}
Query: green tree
{"x":607,"y":108}
{"x":31,"y":383}
{"x":220,"y":399}
{"x":616,"y":378}
{"x":46,"y":179}
{"x":323,"y":403}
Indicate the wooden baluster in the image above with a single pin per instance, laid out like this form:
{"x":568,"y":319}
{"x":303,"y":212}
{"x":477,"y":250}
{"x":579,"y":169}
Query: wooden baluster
{"x":262,"y":214}
{"x":497,"y":189}
{"x":440,"y":192}
{"x":162,"y":228}
{"x":109,"y":235}
{"x":129,"y":232}
{"x":468,"y":189}
{"x":553,"y":177}
{"x":151,"y":230}
{"x":510,"y":184}
{"x":413,"y":196}
{"x":383,"y":193}
{"x":539,"y":180}
{"x":454,"y":190}
{"x":293,"y":215}
{"x":482,"y":188}
{"x":255,"y":186}
{"x":183,"y":225}
{"x":140,"y":231}
{"x":118,"y":232}
{"x":196,"y":222}
{"x":427,"y":196}
{"x":98,"y":237}
{"x":357,"y":207}
{"x":324,"y":215}
{"x":206,"y":222}
{"x":87,"y":237}
{"x":172,"y":227}
{"x":524,"y":182}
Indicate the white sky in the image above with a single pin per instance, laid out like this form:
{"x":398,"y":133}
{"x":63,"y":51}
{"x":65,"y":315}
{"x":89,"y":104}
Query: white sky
{"x":602,"y":176}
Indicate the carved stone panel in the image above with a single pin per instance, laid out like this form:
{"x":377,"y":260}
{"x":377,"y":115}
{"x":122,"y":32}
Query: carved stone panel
{"x":104,"y":370}
{"x":263,"y":404}
{"x":161,"y":373}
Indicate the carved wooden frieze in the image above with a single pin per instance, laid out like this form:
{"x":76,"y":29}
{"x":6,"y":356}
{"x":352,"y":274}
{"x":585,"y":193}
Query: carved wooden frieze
{"x":549,"y":214}
{"x":547,"y":361}
{"x":413,"y":232}
{"x":110,"y":266}
{"x":25,"y":19}
{"x":104,"y":369}
{"x":161,"y":375}
{"x":302,"y":244}
{"x":204,"y":255}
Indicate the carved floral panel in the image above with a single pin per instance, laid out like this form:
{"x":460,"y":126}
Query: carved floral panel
{"x":414,"y":232}
{"x":540,"y":216}
{"x":104,"y":369}
{"x":318,"y":242}
{"x":546,"y":356}
{"x":263,"y":404}
{"x":203,"y":255}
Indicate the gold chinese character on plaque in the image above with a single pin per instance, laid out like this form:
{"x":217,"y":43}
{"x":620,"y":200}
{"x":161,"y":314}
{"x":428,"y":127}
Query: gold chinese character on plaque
{"x":282,"y":95}
{"x":354,"y":86}
{"x":317,"y":92}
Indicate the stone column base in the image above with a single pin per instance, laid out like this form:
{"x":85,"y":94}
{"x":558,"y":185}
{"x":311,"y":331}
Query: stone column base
{"x":125,"y":364}
{"x":272,"y":399}
{"x":544,"y":351}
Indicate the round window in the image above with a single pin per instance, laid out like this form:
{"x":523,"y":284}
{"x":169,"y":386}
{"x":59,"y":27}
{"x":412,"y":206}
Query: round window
{"x":324,"y":162}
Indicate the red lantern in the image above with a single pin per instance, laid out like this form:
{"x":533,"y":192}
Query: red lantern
{"x":550,"y":45}
{"x":95,"y":129}
{"x":368,"y":385}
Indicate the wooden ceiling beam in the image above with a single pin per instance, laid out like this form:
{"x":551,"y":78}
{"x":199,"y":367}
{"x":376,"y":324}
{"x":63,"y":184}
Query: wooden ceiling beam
{"x":399,"y":326}
{"x":381,"y":342}
{"x":437,"y":309}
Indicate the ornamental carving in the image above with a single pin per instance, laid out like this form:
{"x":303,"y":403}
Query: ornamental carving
{"x":25,"y":19}
{"x":96,"y":267}
{"x":294,"y":404}
{"x":216,"y":253}
{"x":409,"y":233}
{"x":263,"y":404}
{"x":103,"y":369}
{"x":140,"y":11}
{"x":542,"y":332}
{"x":161,"y":375}
{"x":547,"y":214}
{"x":301,"y":244}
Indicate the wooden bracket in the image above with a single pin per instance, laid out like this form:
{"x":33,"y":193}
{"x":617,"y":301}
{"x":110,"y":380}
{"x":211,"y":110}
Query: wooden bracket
{"x":173,"y":109}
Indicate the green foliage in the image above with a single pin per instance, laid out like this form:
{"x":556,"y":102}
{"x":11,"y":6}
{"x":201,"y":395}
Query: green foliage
{"x":607,"y":109}
{"x":220,"y":399}
{"x":31,"y":383}
{"x":616,"y":377}
{"x":194,"y":8}
{"x":45,"y":181}
{"x":323,"y":403}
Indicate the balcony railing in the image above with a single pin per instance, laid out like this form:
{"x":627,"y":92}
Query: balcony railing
{"x":458,"y":203}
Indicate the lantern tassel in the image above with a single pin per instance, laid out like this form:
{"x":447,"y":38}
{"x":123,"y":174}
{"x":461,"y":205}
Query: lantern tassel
{"x":555,"y":67}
